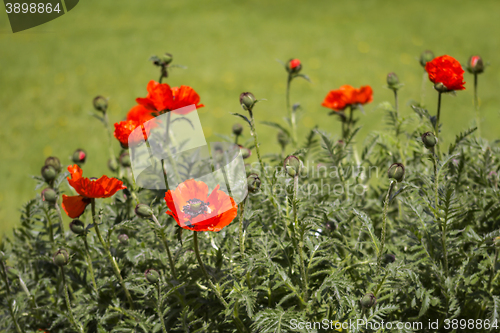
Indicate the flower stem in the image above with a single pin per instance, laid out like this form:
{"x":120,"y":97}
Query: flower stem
{"x":396,"y":102}
{"x":165,"y":244}
{"x":436,"y":202}
{"x":422,"y":89}
{"x":68,"y":304}
{"x":290,"y":110}
{"x":89,"y":264}
{"x":476,"y":107}
{"x":60,"y":218}
{"x":169,"y":153}
{"x":242,"y":237}
{"x":215,"y":288}
{"x":112,"y":260}
{"x":114,"y":163}
{"x":160,"y":314}
{"x":301,"y":243}
{"x":49,"y":222}
{"x":256,"y":143}
{"x":436,"y":128}
{"x":11,"y":311}
{"x":384,"y":223}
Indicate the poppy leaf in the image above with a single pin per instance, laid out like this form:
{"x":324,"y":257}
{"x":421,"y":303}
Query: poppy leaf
{"x":243,"y":117}
{"x":276,"y":125}
{"x":305,"y":77}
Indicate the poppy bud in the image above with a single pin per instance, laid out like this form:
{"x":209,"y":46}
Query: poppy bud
{"x":112,"y":165}
{"x":77,"y":227}
{"x":12,"y":273}
{"x":293,"y":66}
{"x":166,"y":59}
{"x":368,"y":300}
{"x":100,"y":104}
{"x":392,"y":80}
{"x":237,"y":129}
{"x":429,"y":140}
{"x":125,"y":159}
{"x":253,"y":182}
{"x":79,"y":156}
{"x":144,"y":211}
{"x":425,"y":57}
{"x":123,"y":239}
{"x":397,"y":172}
{"x":53,"y":162}
{"x":496,"y":242}
{"x":440,"y":87}
{"x":61,"y":258}
{"x":475,"y":65}
{"x":49,"y":195}
{"x":283,"y":139}
{"x":389,"y":258}
{"x":152,"y":275}
{"x":292,"y":165}
{"x":245,"y":152}
{"x":331,"y":225}
{"x":247,"y":101}
{"x":48,"y":173}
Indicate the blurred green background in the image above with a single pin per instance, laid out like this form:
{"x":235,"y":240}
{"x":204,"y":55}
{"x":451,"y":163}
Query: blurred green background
{"x":50,"y":74}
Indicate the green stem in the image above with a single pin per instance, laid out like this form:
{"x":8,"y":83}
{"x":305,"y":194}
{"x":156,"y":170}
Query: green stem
{"x":49,"y":222}
{"x":290,"y":110}
{"x":110,"y":141}
{"x":89,"y":264}
{"x":422,"y":89}
{"x":215,"y":288}
{"x":256,"y":144}
{"x":396,"y":102}
{"x":160,"y":314}
{"x":169,"y":153}
{"x":11,"y":311}
{"x":436,"y":128}
{"x":301,"y":243}
{"x":384,"y":223}
{"x":60,"y":218}
{"x":476,"y":107}
{"x":167,"y":248}
{"x":78,"y":326}
{"x":381,"y":283}
{"x":241,"y":236}
{"x":112,"y":260}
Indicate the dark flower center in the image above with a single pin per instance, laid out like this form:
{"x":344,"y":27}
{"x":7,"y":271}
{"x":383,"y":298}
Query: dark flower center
{"x":196,"y":207}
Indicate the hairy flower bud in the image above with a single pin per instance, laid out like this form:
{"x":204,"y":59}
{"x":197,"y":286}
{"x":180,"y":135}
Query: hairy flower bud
{"x":389,"y":258}
{"x":77,"y":227}
{"x":441,"y":87}
{"x":283,"y":139}
{"x":247,"y":100}
{"x":125,"y":159}
{"x":166,"y":58}
{"x":253,"y":182}
{"x":12,"y":273}
{"x":100,"y":104}
{"x":245,"y":152}
{"x":292,"y":165}
{"x":79,"y":156}
{"x":331,"y":225}
{"x":123,"y":239}
{"x":144,"y":211}
{"x":48,"y":173}
{"x":61,"y":258}
{"x":152,"y":275}
{"x":293,"y":66}
{"x":53,"y":162}
{"x":397,"y":172}
{"x":475,"y":65}
{"x":429,"y":140}
{"x":237,"y":129}
{"x":368,"y":300}
{"x":49,"y":195}
{"x":392,"y":81}
{"x":496,"y":242}
{"x":425,"y":57}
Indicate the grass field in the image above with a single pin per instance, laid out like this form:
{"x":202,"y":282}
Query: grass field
{"x":51,"y":73}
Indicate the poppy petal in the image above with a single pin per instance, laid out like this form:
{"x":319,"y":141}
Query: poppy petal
{"x":74,"y":206}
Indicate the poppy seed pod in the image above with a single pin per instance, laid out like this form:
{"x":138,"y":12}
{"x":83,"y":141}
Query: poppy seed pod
{"x":125,"y":159}
{"x":79,"y":156}
{"x":166,"y":59}
{"x":283,"y":139}
{"x":53,"y":162}
{"x":144,"y":211}
{"x":237,"y":129}
{"x":49,"y":195}
{"x":429,"y":140}
{"x":61,"y":258}
{"x":12,"y":273}
{"x":152,"y":275}
{"x":247,"y":101}
{"x":77,"y":227}
{"x":293,"y":66}
{"x":253,"y":182}
{"x":396,"y":172}
{"x":475,"y":65}
{"x":368,"y":300}
{"x":292,"y":165}
{"x":48,"y":173}
{"x":123,"y":239}
{"x":425,"y":57}
{"x":245,"y":152}
{"x":496,"y":242}
{"x":392,"y":80}
{"x":100,"y":104}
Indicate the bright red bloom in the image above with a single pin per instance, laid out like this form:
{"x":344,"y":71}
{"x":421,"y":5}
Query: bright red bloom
{"x":87,"y":189}
{"x":123,"y":131}
{"x":446,"y":70}
{"x":140,"y":114}
{"x":193,"y":208}
{"x":294,"y":63}
{"x":161,"y":98}
{"x":346,"y":96}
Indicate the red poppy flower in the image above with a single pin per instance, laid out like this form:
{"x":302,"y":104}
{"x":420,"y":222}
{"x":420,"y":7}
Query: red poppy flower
{"x":161,"y":98}
{"x":87,"y":189}
{"x":124,"y":130}
{"x":294,"y":63}
{"x":194,"y":208}
{"x":346,"y":96}
{"x":446,"y":70}
{"x":140,"y":114}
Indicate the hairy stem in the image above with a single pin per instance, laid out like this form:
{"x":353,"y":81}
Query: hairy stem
{"x":396,"y":102}
{"x":422,"y":89}
{"x":301,"y":243}
{"x":256,"y":144}
{"x":476,"y":107}
{"x":241,"y":236}
{"x":77,"y":325}
{"x":112,"y":156}
{"x":290,"y":110}
{"x":167,"y":248}
{"x":60,"y":218}
{"x":11,"y":311}
{"x":89,"y":263}
{"x":436,"y":128}
{"x":160,"y":313}
{"x":384,"y":223}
